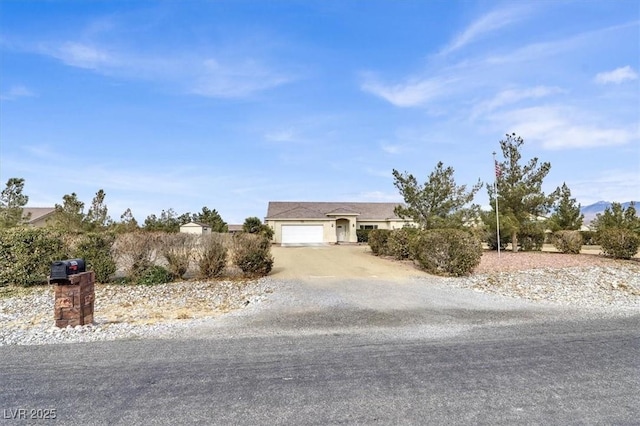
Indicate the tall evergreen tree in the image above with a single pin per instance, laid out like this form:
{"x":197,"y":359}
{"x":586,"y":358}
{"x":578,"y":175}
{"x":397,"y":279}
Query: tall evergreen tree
{"x":617,"y":216}
{"x":566,"y":211}
{"x":12,"y":201}
{"x":211,"y":218}
{"x":97,"y":217}
{"x":68,"y":217}
{"x":439,"y":202}
{"x":520,"y":197}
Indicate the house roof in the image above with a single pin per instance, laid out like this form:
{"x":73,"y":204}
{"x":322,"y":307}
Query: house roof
{"x":321,"y":210}
{"x":37,"y":213}
{"x":204,"y":225}
{"x":234,"y":228}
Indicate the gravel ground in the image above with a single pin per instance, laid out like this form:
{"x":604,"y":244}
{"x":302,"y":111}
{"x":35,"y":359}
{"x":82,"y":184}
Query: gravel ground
{"x":580,"y":281}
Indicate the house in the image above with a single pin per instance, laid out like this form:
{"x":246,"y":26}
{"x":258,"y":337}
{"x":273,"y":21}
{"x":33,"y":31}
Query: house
{"x":196,"y":228}
{"x":234,"y":229}
{"x":295,"y":222}
{"x":37,"y":216}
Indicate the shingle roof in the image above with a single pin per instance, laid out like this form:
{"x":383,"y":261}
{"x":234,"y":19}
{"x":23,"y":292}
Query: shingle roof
{"x":37,"y":212}
{"x":320,"y":210}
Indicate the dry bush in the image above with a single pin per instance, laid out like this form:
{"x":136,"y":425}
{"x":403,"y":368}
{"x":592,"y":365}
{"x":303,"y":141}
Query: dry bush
{"x":568,"y":241}
{"x":446,"y":251}
{"x":211,"y":255}
{"x":252,"y":254}
{"x":178,"y":249}
{"x":618,"y":243}
{"x":137,"y":251}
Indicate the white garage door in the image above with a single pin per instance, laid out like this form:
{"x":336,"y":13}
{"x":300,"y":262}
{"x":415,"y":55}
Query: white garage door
{"x":302,"y":234}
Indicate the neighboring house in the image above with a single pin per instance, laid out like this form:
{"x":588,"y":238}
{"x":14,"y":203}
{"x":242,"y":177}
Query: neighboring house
{"x":37,"y":216}
{"x":234,"y":229}
{"x":328,"y":222}
{"x":196,"y":228}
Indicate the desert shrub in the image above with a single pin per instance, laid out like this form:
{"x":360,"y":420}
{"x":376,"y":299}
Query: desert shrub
{"x":618,"y":243}
{"x":252,"y":254}
{"x":211,"y":256}
{"x":26,"y":255}
{"x":97,"y":251}
{"x":531,"y":237}
{"x":178,"y":250}
{"x":446,"y":251}
{"x":567,"y":241}
{"x":588,"y":238}
{"x":378,"y":241}
{"x":153,"y":275}
{"x":137,"y":251}
{"x":363,"y":235}
{"x":399,"y":242}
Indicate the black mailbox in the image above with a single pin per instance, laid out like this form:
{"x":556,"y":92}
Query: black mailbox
{"x":61,"y":269}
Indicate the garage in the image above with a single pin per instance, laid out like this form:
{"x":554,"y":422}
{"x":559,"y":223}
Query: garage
{"x":302,"y":234}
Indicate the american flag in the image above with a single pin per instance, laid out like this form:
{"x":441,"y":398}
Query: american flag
{"x":498,"y":170}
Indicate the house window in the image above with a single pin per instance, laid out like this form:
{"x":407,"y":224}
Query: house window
{"x":368,"y":226}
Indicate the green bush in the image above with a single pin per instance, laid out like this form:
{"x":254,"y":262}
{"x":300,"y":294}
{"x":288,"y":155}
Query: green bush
{"x":153,"y":275}
{"x":399,"y":242}
{"x":96,"y":250}
{"x":252,"y":254}
{"x":26,"y":255}
{"x":618,"y":243}
{"x":212,"y":256}
{"x":378,"y":241}
{"x":531,"y":237}
{"x":567,"y":241}
{"x":178,"y":250}
{"x":363,"y":235}
{"x":446,"y":251}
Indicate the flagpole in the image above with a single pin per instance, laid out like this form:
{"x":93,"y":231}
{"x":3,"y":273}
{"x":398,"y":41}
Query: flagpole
{"x":495,"y":191}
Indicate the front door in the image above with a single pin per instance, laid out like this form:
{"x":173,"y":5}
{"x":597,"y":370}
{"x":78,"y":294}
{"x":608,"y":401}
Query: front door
{"x":341,"y":233}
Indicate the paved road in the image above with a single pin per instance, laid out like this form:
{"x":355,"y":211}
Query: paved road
{"x":327,"y":350}
{"x":560,"y":372}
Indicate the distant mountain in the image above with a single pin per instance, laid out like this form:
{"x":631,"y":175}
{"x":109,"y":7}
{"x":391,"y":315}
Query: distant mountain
{"x":592,"y":210}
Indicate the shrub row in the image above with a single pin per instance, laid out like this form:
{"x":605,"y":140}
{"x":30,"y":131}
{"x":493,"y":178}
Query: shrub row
{"x":26,"y":255}
{"x":440,"y":251}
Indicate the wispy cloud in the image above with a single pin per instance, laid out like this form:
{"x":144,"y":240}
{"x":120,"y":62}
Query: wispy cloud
{"x":512,"y":96}
{"x":236,"y":75}
{"x":80,"y":55}
{"x":16,"y":92}
{"x":557,"y":128}
{"x":414,"y":92}
{"x":391,"y":148}
{"x":233,"y":80}
{"x":488,"y":23}
{"x":284,"y":135}
{"x":617,"y":76}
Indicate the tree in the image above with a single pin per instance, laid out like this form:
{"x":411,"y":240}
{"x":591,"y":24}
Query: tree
{"x":97,"y":217}
{"x":211,"y":218}
{"x":520,"y":197}
{"x":566,"y":212}
{"x":439,"y":202}
{"x":127,"y":223}
{"x":252,"y":225}
{"x":617,"y":217}
{"x":69,"y":216}
{"x":12,"y":201}
{"x":167,"y":222}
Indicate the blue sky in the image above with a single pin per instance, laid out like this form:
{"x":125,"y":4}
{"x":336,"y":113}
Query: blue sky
{"x":231,"y":104}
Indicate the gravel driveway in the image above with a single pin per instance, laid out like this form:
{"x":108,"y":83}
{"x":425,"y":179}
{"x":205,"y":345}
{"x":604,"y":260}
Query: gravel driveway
{"x":328,"y":288}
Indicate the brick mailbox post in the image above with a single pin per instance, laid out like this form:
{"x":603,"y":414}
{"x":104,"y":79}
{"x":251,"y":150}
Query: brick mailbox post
{"x":74,"y":292}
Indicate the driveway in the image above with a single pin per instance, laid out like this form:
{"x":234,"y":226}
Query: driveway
{"x":337,"y":261}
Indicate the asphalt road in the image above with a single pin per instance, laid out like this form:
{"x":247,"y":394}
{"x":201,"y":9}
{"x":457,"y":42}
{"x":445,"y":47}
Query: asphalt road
{"x":528,"y":370}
